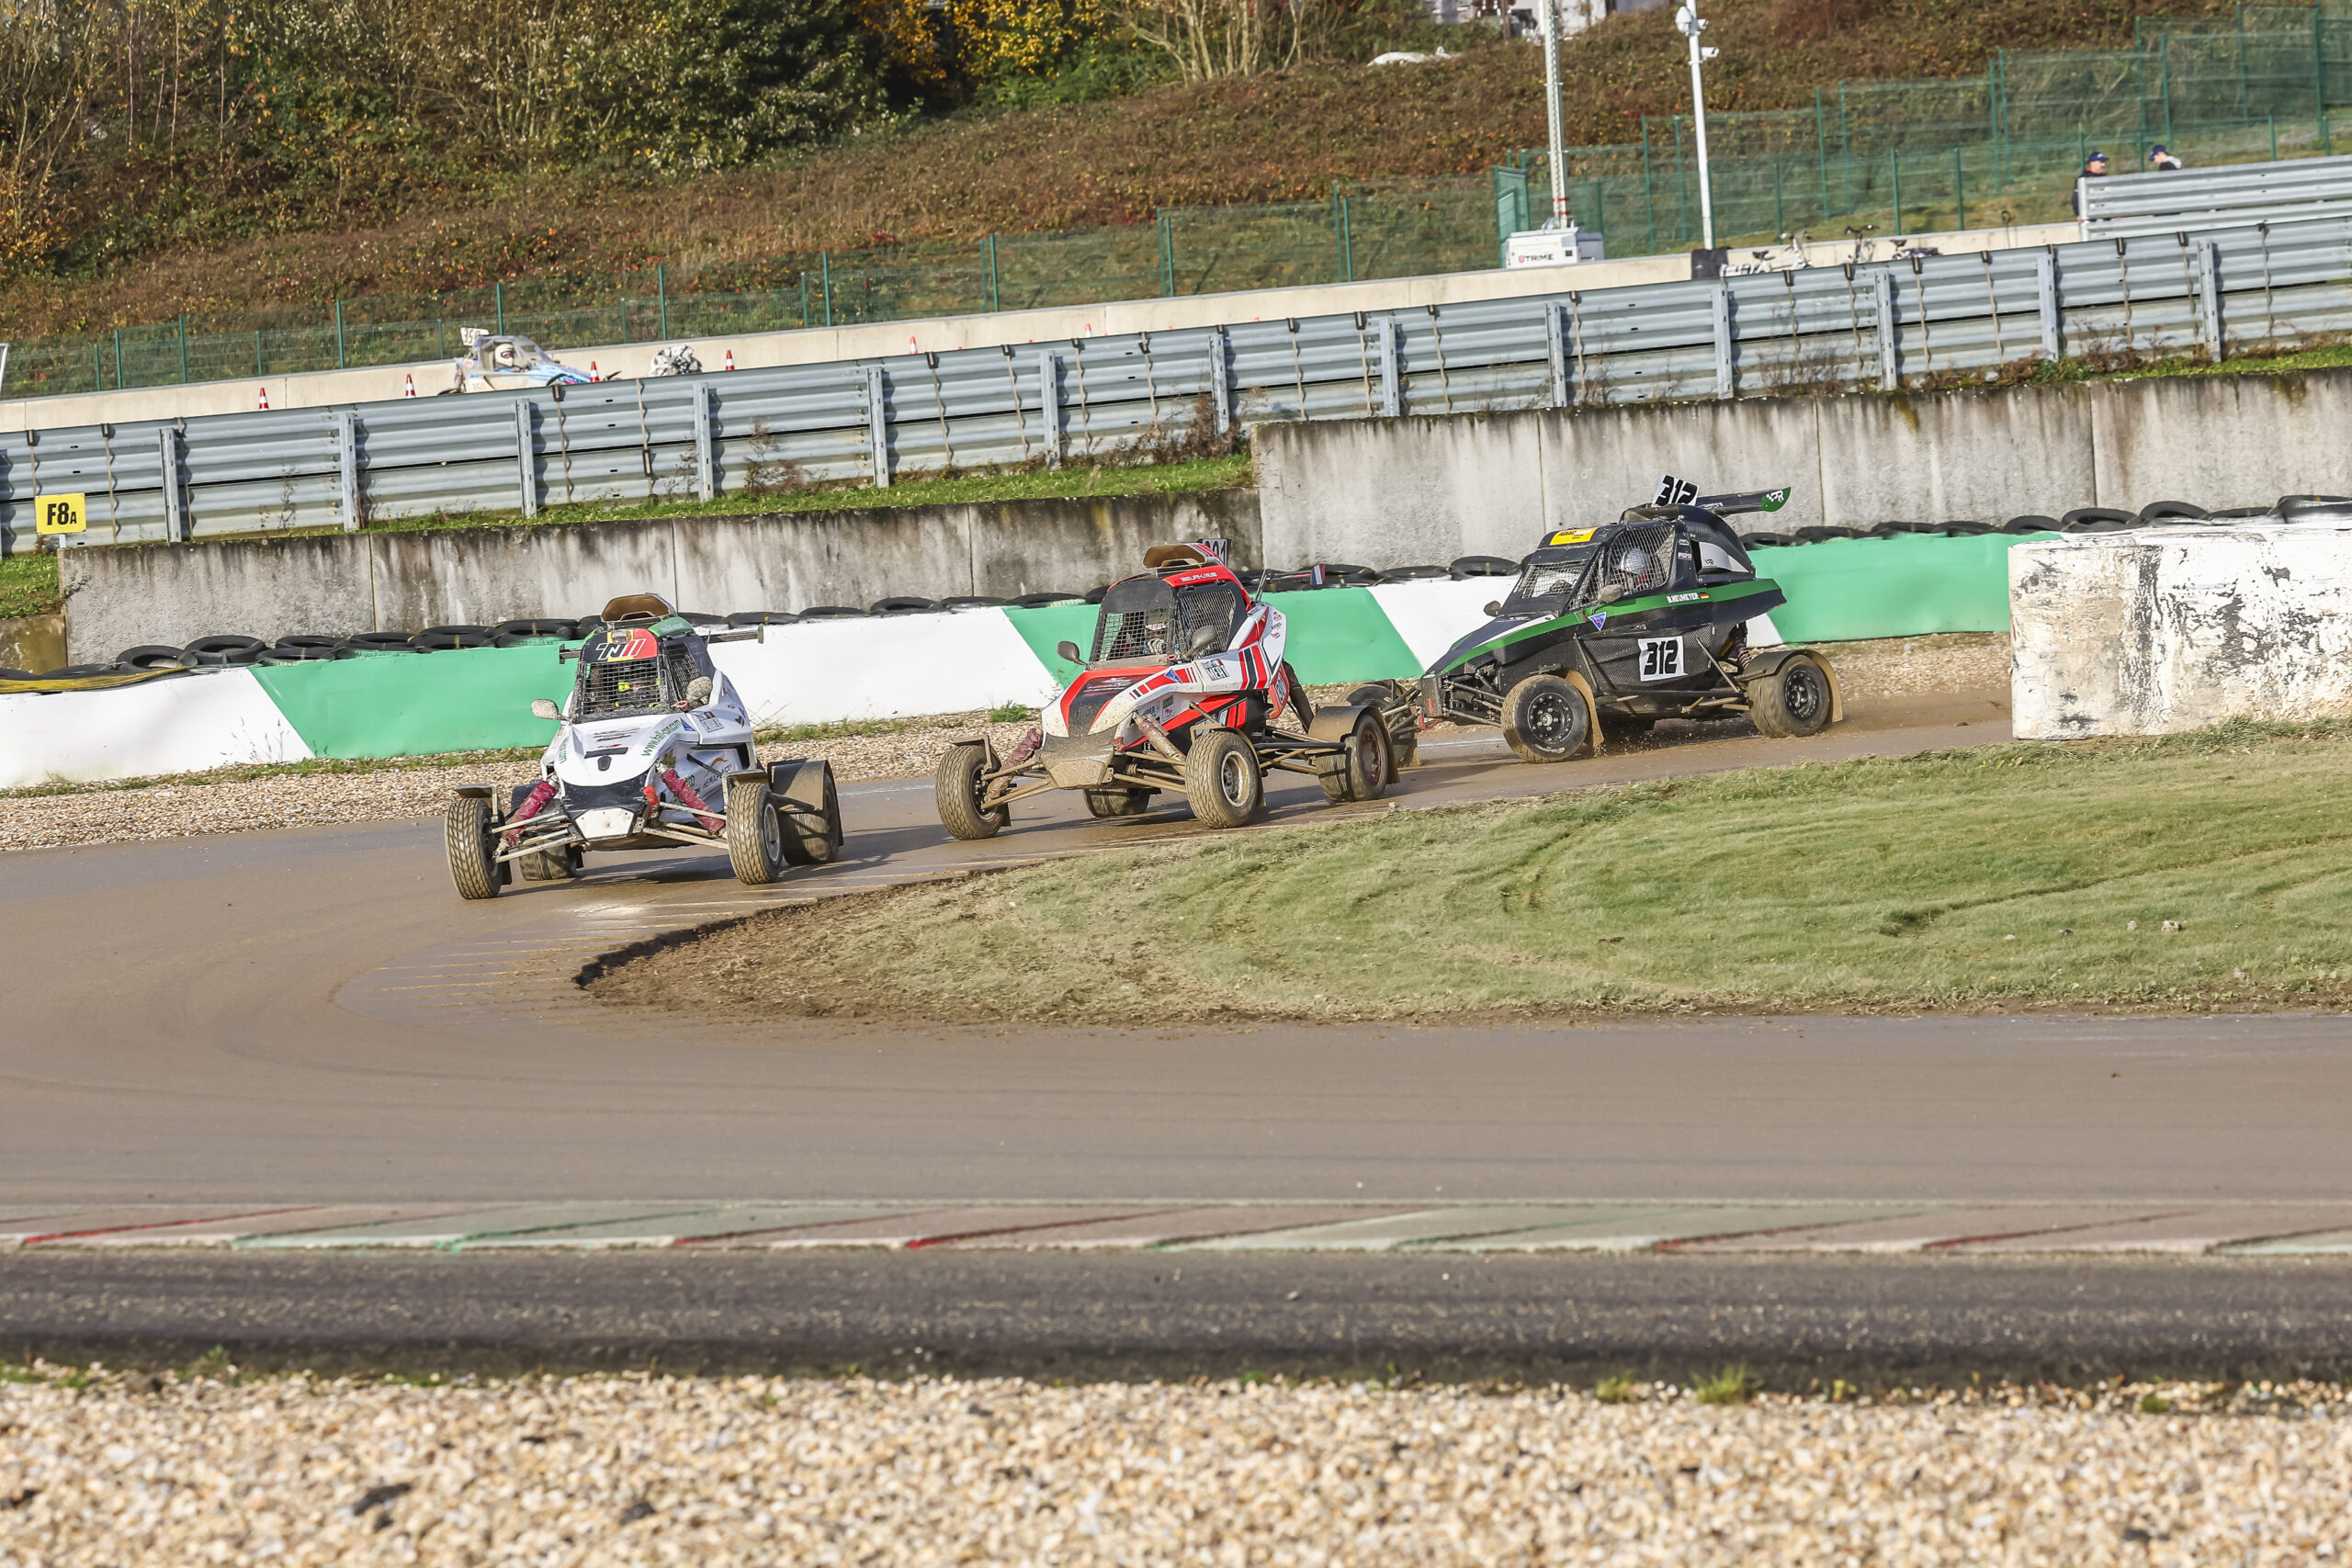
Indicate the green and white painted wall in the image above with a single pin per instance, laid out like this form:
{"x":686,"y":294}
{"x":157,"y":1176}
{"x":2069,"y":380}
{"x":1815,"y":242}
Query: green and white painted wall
{"x":824,"y":672}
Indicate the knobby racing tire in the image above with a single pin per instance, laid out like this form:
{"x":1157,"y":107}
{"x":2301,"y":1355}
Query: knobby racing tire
{"x":1118,"y":801}
{"x":1791,"y":701}
{"x":959,"y":786}
{"x":1546,"y":720}
{"x":1222,"y":779}
{"x":1365,"y":765}
{"x":754,"y":832}
{"x":473,"y":856}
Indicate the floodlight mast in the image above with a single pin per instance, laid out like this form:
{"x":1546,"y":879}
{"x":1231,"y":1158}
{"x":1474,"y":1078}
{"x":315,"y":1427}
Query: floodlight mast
{"x":1691,"y":25}
{"x":1548,"y":24}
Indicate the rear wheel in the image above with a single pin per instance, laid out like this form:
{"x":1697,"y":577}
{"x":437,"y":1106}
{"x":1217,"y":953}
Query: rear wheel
{"x":551,"y":865}
{"x":1791,"y":701}
{"x":1546,"y":720}
{"x":1365,"y":764}
{"x":1119,"y":802}
{"x":754,"y":832}
{"x":1222,"y":779}
{"x":473,"y":856}
{"x":958,"y":788}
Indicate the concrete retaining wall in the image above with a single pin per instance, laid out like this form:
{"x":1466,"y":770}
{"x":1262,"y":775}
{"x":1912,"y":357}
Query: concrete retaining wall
{"x":2155,"y":633}
{"x":1432,"y":488}
{"x":119,"y":598}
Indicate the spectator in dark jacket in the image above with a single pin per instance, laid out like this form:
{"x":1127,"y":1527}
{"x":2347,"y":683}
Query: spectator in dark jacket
{"x":2160,"y":158}
{"x":2093,"y":168}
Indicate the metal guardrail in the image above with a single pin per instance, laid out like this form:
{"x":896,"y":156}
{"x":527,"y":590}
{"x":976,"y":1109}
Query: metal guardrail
{"x":1911,"y":322}
{"x":2124,"y":206}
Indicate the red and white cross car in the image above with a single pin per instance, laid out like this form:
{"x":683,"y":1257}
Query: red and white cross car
{"x":1185,"y":688}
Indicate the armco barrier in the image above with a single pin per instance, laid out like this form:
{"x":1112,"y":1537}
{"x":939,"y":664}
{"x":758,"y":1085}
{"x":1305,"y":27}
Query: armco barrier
{"x":824,"y":672}
{"x":1875,"y":327}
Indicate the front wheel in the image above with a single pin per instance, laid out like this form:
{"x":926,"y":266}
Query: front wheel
{"x":958,"y":788}
{"x":1793,"y":701}
{"x":1222,"y":779}
{"x":754,"y":832}
{"x":1547,"y":720}
{"x":473,"y":856}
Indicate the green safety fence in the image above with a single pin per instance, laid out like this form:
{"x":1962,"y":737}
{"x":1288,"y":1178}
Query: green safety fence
{"x":1364,"y":230}
{"x":1913,"y":157}
{"x":1893,"y":157}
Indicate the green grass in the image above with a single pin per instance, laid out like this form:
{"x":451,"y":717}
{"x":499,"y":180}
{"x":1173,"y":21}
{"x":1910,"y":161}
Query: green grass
{"x":1076,"y":481}
{"x":29,"y":585}
{"x":1732,"y":1385}
{"x":2012,"y":876}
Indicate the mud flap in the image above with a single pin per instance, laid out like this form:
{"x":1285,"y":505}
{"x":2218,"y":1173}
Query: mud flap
{"x":1591,"y":714}
{"x":1334,"y":723}
{"x":805,"y":791}
{"x":1769,"y":661}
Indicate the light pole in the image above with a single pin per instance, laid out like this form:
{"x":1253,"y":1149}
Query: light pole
{"x":1691,"y":25}
{"x":1548,"y":22}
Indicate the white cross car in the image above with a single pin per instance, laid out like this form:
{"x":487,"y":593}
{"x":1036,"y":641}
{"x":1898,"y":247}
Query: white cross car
{"x":654,"y":752}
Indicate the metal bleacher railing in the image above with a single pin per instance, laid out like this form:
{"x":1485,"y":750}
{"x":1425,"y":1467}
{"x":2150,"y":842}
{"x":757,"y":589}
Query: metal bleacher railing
{"x":1922,"y":321}
{"x":1904,"y":157}
{"x":1928,"y":156}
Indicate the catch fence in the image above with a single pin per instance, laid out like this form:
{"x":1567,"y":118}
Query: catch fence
{"x":1886,"y":158}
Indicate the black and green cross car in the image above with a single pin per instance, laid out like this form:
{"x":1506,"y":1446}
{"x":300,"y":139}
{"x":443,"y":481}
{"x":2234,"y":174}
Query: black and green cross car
{"x":1610,"y":630}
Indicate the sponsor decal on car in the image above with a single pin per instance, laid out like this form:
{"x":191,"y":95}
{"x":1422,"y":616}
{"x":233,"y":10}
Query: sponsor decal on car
{"x":1568,"y":537}
{"x":1683,"y":598}
{"x":1598,"y":618}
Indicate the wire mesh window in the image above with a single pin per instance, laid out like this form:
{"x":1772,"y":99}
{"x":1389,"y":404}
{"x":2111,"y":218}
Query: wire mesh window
{"x":1549,"y":581}
{"x":1639,"y":561}
{"x":617,"y":687}
{"x":1146,"y":619}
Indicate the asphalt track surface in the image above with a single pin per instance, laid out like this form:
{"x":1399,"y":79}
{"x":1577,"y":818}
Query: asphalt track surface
{"x":312,"y":1016}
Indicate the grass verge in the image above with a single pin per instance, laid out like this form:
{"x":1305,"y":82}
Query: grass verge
{"x":29,"y":585}
{"x":2007,"y":876}
{"x":1075,"y":481}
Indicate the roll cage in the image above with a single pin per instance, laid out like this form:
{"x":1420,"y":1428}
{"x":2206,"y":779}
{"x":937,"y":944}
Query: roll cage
{"x":1153,"y":619}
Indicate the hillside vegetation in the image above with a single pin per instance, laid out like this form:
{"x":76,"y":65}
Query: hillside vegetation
{"x":291,"y":151}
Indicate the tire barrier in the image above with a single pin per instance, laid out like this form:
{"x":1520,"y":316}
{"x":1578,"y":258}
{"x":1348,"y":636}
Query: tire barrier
{"x":240,"y":648}
{"x":158,"y":709}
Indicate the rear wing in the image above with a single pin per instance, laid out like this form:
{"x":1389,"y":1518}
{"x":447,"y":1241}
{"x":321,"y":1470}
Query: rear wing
{"x":1746,"y":501}
{"x":1672,"y":491}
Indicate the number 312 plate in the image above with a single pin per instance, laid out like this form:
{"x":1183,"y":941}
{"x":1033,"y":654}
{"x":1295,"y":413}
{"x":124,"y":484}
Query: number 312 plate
{"x":1661,"y":658}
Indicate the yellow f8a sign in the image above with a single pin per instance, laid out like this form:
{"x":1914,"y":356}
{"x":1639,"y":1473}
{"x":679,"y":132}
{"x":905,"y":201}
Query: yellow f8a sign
{"x":60,"y":515}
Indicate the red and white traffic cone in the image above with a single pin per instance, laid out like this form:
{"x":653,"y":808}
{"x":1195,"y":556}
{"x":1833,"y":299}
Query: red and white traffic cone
{"x":265,"y":399}
{"x":408,"y":386}
{"x":730,"y":359}
{"x":594,"y":374}
{"x":911,"y":345}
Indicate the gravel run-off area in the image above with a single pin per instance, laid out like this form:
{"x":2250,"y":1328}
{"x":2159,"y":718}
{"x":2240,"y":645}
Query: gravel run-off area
{"x":185,"y":1471}
{"x":1892,"y":670}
